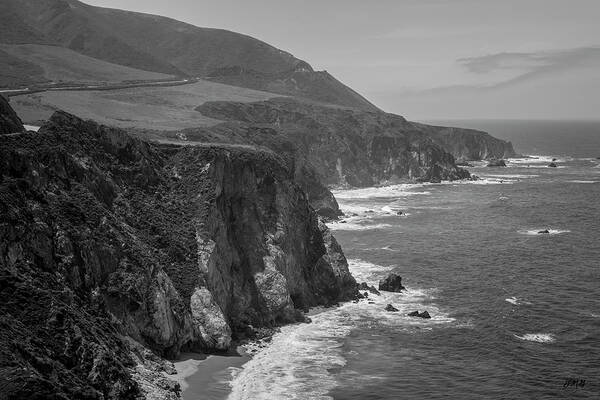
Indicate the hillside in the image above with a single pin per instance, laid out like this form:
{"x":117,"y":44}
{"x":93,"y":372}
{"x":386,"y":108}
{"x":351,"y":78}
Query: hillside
{"x":159,"y":44}
{"x":61,"y":65}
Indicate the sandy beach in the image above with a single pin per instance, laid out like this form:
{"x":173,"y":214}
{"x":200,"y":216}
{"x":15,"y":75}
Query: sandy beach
{"x":207,"y":377}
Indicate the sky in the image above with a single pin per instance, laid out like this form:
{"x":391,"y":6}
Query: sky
{"x":429,"y":59}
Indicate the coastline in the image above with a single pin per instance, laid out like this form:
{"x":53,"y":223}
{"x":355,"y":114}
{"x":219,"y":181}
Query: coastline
{"x":203,"y":376}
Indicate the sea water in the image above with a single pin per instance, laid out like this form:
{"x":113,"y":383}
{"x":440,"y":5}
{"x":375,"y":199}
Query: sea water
{"x":515,"y":313}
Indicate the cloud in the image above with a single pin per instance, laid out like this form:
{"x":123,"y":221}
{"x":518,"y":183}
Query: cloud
{"x":533,"y":64}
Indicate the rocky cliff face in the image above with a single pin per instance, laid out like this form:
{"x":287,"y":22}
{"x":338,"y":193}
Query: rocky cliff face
{"x":9,"y":120}
{"x":345,"y":147}
{"x":469,"y":144}
{"x":108,"y":243}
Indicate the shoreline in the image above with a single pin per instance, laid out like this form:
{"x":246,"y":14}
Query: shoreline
{"x":207,"y":376}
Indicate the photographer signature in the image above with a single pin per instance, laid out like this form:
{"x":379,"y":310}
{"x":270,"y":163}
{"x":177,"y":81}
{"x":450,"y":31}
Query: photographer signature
{"x":574,"y":382}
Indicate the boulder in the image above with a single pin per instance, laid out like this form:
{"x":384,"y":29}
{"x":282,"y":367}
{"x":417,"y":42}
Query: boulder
{"x":365,"y":286}
{"x":552,"y":165}
{"x":424,"y":314}
{"x":544,"y":232}
{"x":392,"y":283}
{"x":496,"y":163}
{"x":391,"y":308}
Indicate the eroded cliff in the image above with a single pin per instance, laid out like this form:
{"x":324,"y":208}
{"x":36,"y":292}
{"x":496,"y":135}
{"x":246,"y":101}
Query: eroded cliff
{"x":108,"y":242}
{"x":345,"y":147}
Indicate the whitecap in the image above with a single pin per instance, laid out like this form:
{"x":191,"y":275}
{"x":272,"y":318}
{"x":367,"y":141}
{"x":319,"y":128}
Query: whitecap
{"x":516,"y":301}
{"x":510,"y":176}
{"x":349,"y":226}
{"x":513,"y":300}
{"x":401,"y":190}
{"x":537,"y":337}
{"x":536,"y":232}
{"x":576,"y":181}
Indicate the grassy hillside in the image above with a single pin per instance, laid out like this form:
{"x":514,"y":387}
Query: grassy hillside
{"x":159,"y":44}
{"x":168,"y":108}
{"x":59,"y":64}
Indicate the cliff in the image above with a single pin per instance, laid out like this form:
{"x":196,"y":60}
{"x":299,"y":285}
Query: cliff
{"x":469,"y":144}
{"x":345,"y":147}
{"x":9,"y":120}
{"x":109,"y":243}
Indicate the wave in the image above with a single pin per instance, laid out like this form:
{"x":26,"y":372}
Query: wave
{"x":515,"y":301}
{"x":401,"y":190}
{"x":510,"y":176}
{"x":298,"y":362}
{"x":537,"y":337}
{"x":576,"y":181}
{"x":537,"y":159}
{"x":349,"y":226}
{"x":536,"y":232}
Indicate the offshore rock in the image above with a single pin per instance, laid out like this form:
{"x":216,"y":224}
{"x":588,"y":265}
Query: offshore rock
{"x":391,"y":283}
{"x":391,"y":308}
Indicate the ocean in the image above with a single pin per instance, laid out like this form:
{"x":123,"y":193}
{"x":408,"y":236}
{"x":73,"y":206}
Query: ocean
{"x":515,"y":314}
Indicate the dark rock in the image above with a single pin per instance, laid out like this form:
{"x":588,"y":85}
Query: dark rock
{"x":496,"y":163}
{"x":9,"y":120}
{"x":391,"y":308}
{"x":545,"y":231}
{"x":552,"y":165}
{"x":400,"y":213}
{"x":423,"y":314}
{"x":98,"y":243}
{"x":392,"y":283}
{"x":554,"y":159}
{"x":365,"y":286}
{"x":435,"y":180}
{"x":464,"y":163}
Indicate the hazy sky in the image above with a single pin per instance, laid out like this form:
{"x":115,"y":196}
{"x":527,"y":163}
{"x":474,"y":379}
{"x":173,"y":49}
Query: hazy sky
{"x":429,"y":58}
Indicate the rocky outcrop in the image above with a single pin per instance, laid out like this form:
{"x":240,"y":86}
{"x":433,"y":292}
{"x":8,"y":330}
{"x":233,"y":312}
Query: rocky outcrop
{"x":9,"y":120}
{"x":424,"y":314}
{"x":496,"y":163}
{"x":391,"y":283}
{"x":469,"y":144}
{"x":345,"y":147}
{"x":104,"y":238}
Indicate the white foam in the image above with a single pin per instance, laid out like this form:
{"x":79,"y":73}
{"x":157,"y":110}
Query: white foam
{"x":514,"y":300}
{"x":401,"y":190}
{"x":536,"y":159}
{"x":297,"y":363}
{"x":349,"y":226}
{"x":510,"y":176}
{"x":576,"y":181}
{"x":537,"y":337}
{"x":535,"y":232}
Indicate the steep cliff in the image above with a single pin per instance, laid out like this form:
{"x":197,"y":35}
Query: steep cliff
{"x":9,"y":120}
{"x":345,"y":147}
{"x":468,"y":144}
{"x":107,"y":241}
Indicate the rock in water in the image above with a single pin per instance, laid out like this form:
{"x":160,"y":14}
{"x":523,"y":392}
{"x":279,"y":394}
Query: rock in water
{"x":552,"y":165}
{"x":391,"y":308}
{"x":365,"y":286}
{"x":424,"y":314}
{"x":545,"y":231}
{"x":496,"y":163}
{"x":392,"y":283}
